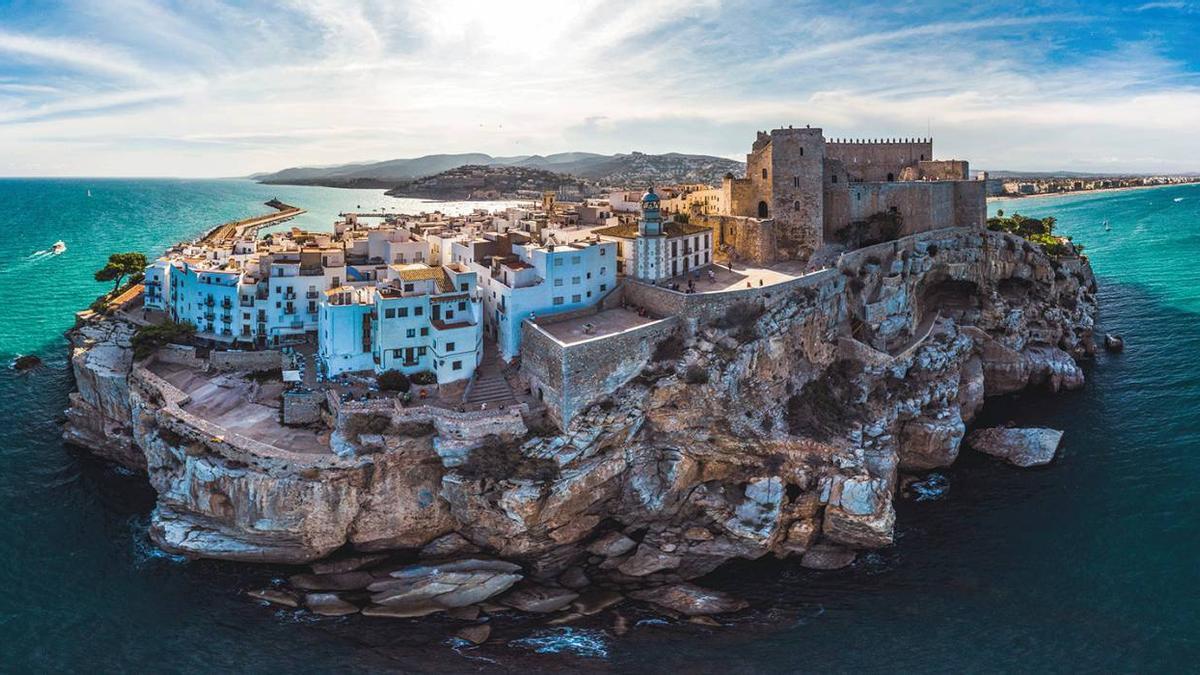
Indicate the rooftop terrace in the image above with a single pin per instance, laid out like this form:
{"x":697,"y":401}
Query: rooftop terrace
{"x":591,"y":326}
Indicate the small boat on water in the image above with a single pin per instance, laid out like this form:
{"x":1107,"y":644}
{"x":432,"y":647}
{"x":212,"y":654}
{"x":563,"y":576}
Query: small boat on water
{"x":1178,"y":199}
{"x":1107,"y":227}
{"x":89,"y":193}
{"x":58,"y":247}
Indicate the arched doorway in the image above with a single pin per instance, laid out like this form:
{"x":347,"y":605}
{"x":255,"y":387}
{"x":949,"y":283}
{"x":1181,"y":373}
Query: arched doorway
{"x":762,"y":209}
{"x":891,"y":178}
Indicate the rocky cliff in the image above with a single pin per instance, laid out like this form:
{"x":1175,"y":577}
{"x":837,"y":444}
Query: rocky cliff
{"x":781,"y":426}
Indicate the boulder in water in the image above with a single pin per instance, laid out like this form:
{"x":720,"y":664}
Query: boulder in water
{"x":1114,"y":343}
{"x":690,"y":600}
{"x":1022,"y":447}
{"x":26,"y":362}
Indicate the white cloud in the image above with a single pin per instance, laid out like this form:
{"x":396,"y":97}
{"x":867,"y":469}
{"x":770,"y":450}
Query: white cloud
{"x":236,"y":89}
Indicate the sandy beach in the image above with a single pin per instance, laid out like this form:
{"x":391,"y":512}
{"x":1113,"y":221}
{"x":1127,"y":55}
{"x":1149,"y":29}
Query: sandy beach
{"x":1086,"y":192}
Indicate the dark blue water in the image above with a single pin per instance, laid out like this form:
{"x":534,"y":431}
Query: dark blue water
{"x":1088,"y":564}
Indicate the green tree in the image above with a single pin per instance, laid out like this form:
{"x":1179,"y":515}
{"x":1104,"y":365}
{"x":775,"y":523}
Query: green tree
{"x":119,"y":265}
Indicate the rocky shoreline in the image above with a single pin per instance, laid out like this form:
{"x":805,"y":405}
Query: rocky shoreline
{"x":814,"y":409}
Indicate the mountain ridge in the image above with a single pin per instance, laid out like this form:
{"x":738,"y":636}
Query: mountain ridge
{"x":618,"y":168}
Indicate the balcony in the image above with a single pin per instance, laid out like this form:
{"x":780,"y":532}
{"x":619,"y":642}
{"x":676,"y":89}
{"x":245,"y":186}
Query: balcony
{"x":209,"y":302}
{"x":312,"y":295}
{"x":289,"y":310}
{"x":289,"y":295}
{"x":225,"y":318}
{"x":209,"y":316}
{"x":226,"y":304}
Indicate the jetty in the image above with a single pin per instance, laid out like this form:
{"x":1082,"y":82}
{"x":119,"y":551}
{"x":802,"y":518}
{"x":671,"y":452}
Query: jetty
{"x":227,"y":233}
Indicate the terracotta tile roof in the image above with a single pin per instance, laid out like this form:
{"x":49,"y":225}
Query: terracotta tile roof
{"x":421,"y":273}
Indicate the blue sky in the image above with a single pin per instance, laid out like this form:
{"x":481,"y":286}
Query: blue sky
{"x":211,"y":88}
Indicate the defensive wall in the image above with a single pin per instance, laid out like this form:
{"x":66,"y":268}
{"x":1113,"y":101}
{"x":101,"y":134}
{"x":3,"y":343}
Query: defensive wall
{"x":571,"y":377}
{"x":922,"y":205}
{"x":749,"y":240}
{"x":879,"y":160}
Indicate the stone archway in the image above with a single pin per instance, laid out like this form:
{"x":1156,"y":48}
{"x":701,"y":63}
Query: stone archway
{"x":762,"y":210}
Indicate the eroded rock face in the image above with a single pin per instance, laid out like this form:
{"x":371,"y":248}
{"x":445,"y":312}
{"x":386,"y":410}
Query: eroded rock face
{"x":794,"y":445}
{"x":1022,"y":447}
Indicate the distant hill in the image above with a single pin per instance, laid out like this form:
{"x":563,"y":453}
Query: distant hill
{"x":479,"y":181}
{"x":619,"y":170}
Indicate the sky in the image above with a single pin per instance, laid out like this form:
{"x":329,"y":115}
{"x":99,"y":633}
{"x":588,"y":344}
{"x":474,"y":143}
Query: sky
{"x":214,"y":88}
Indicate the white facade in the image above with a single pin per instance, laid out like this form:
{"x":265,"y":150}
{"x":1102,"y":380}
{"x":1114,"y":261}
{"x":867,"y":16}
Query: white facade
{"x":542,"y":280}
{"x":421,"y":319}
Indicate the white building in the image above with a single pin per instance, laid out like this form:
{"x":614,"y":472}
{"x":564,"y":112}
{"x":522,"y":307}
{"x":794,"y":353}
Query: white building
{"x":519,"y":278}
{"x":421,"y":318}
{"x":654,"y":250}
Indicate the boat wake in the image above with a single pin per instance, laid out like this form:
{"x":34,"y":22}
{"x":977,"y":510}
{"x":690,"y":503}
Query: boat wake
{"x":1178,"y":199}
{"x":37,"y":256}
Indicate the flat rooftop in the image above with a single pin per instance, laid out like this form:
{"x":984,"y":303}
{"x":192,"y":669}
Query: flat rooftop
{"x":581,"y":328}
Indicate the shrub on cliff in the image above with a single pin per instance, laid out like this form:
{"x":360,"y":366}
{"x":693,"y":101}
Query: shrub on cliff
{"x":423,"y":378}
{"x":150,"y":338}
{"x":822,"y":408}
{"x":670,"y":349}
{"x":394,"y":380}
{"x":696,"y":374}
{"x":496,"y":460}
{"x":371,"y":423}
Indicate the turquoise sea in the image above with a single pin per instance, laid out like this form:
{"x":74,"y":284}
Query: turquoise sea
{"x":1088,"y":564}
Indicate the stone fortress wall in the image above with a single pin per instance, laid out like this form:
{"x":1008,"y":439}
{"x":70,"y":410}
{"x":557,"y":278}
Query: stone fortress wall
{"x":573,"y":377}
{"x":570,"y":377}
{"x":800,"y":189}
{"x":879,"y":160}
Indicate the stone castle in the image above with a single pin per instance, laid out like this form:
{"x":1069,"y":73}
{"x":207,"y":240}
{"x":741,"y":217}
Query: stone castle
{"x":801,"y":189}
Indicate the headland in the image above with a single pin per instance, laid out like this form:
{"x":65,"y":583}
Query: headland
{"x":570,"y":406}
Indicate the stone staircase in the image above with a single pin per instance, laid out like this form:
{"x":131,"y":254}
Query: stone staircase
{"x":489,"y":384}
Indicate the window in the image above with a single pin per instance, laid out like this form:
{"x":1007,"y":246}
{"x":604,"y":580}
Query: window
{"x":462,"y":306}
{"x":558,"y":300}
{"x":603,"y":251}
{"x":558,"y":282}
{"x":576,"y":298}
{"x":463,"y":286}
{"x":762,"y":210}
{"x":424,"y":331}
{"x":403,"y":311}
{"x":603,"y":287}
{"x":835,"y":177}
{"x":457,"y":365}
{"x":764,"y":174}
{"x":575,"y":260}
{"x":575,"y":281}
{"x":795,"y":181}
{"x":418,"y":311}
{"x":408,"y":288}
{"x":796,"y":205}
{"x":558,"y":262}
{"x":449,"y":346}
{"x":449,"y":314}
{"x":411,"y":332}
{"x":801,"y":152}
{"x":421,"y":351}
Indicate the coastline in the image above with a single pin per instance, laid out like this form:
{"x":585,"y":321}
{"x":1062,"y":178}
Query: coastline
{"x":1073,"y":193}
